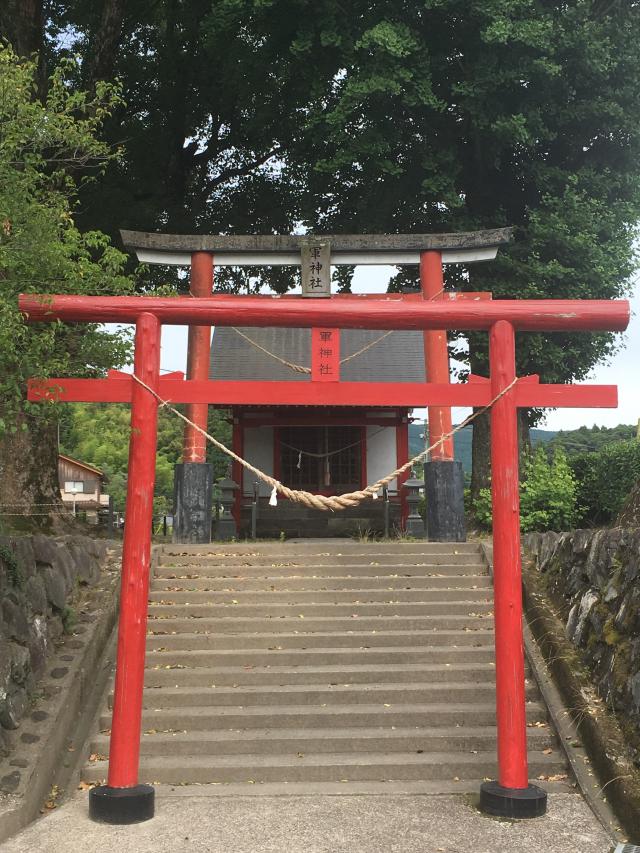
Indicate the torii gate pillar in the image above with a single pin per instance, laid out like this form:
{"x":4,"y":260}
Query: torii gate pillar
{"x":443,"y":476}
{"x":193,"y":478}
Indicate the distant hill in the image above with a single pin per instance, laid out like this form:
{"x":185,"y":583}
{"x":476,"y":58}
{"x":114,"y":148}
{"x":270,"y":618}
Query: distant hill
{"x":581,"y":440}
{"x":591,"y":439}
{"x":462,"y":442}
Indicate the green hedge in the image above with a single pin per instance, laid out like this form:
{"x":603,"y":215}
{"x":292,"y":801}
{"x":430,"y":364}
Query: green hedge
{"x":548,"y":492}
{"x":604,"y":480}
{"x":587,"y":489}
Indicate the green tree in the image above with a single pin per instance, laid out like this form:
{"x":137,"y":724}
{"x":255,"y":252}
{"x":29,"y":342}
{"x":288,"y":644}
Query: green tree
{"x":213,"y":92}
{"x":98,"y":433}
{"x":548,"y":492}
{"x":255,"y":115}
{"x":605,"y":479}
{"x":454,"y":114}
{"x":47,"y":148}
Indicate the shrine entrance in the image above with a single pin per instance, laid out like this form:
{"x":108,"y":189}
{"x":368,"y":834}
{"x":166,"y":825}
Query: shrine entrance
{"x":503,"y":392}
{"x":323,"y":459}
{"x":300,"y":356}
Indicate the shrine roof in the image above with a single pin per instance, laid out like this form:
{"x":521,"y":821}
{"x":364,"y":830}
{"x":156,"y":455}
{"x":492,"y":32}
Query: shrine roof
{"x":399,"y":357}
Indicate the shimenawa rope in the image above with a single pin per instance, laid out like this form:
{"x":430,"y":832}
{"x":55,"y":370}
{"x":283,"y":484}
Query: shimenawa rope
{"x":329,"y":452}
{"x":324,"y":502}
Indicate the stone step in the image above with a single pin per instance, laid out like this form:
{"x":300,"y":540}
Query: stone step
{"x":346,"y":716}
{"x":212,"y":696}
{"x":394,"y":656}
{"x":353,"y":640}
{"x":257,"y":549}
{"x":326,"y":740}
{"x":325,"y":528}
{"x":170,"y":590}
{"x":359,"y":625}
{"x":174,"y":675}
{"x":318,"y":561}
{"x":166,"y":607}
{"x":399,"y":571}
{"x":328,"y":582}
{"x":322,"y":767}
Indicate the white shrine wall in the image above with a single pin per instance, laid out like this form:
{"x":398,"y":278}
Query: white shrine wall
{"x":381,"y":454}
{"x":258,"y":449}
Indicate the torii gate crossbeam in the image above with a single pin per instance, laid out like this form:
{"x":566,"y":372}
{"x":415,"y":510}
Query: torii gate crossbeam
{"x":123,"y":800}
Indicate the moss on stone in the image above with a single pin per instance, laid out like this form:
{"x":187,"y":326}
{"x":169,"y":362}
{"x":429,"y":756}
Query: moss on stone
{"x":592,"y":641}
{"x":610,"y":634}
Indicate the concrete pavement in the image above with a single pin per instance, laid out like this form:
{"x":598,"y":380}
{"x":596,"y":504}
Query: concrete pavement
{"x":187,"y":821}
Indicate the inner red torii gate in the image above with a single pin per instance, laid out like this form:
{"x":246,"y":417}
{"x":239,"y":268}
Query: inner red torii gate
{"x":123,"y":800}
{"x":202,"y":254}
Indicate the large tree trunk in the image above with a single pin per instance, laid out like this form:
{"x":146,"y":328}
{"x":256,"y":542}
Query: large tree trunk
{"x":22,"y":24}
{"x":179,"y":157}
{"x":105,"y":42}
{"x":480,"y":455}
{"x":29,"y":491}
{"x":524,"y":434}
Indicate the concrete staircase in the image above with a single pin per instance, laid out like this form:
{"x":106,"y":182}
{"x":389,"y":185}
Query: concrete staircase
{"x":326,"y":666}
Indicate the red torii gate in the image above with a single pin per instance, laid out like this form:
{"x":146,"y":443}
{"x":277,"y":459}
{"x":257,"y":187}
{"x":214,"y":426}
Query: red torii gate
{"x":202,"y":254}
{"x":123,"y":800}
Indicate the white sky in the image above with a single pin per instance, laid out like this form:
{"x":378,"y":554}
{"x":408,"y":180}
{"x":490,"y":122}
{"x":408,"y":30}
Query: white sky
{"x":623,"y":370}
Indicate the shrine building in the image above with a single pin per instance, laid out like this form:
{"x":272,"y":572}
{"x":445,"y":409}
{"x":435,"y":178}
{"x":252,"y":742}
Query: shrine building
{"x":321,"y":449}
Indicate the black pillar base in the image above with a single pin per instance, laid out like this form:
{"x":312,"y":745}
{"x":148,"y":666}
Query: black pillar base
{"x":121,"y":805}
{"x":512,"y":802}
{"x":192,"y":496}
{"x":444,"y":490}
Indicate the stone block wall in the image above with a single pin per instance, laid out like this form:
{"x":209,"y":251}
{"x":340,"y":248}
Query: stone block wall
{"x":593,"y":579}
{"x":39,"y":576}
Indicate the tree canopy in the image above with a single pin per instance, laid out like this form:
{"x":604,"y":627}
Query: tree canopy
{"x":47,"y":149}
{"x":442,"y":115}
{"x":266,"y":115}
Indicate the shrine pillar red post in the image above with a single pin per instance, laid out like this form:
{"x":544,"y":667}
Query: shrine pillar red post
{"x":443,"y":476}
{"x":511,"y":795}
{"x":122,"y":799}
{"x":193,"y":483}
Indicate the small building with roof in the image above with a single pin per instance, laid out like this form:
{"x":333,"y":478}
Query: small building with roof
{"x":321,"y":449}
{"x":82,"y":487}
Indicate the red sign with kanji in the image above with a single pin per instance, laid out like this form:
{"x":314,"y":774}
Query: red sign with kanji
{"x":325,"y":355}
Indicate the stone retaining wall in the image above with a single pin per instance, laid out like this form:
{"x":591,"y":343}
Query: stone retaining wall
{"x":593,"y":579}
{"x":39,"y":577}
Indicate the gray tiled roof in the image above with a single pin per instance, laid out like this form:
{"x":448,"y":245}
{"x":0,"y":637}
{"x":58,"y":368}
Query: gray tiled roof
{"x":397,"y":358}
